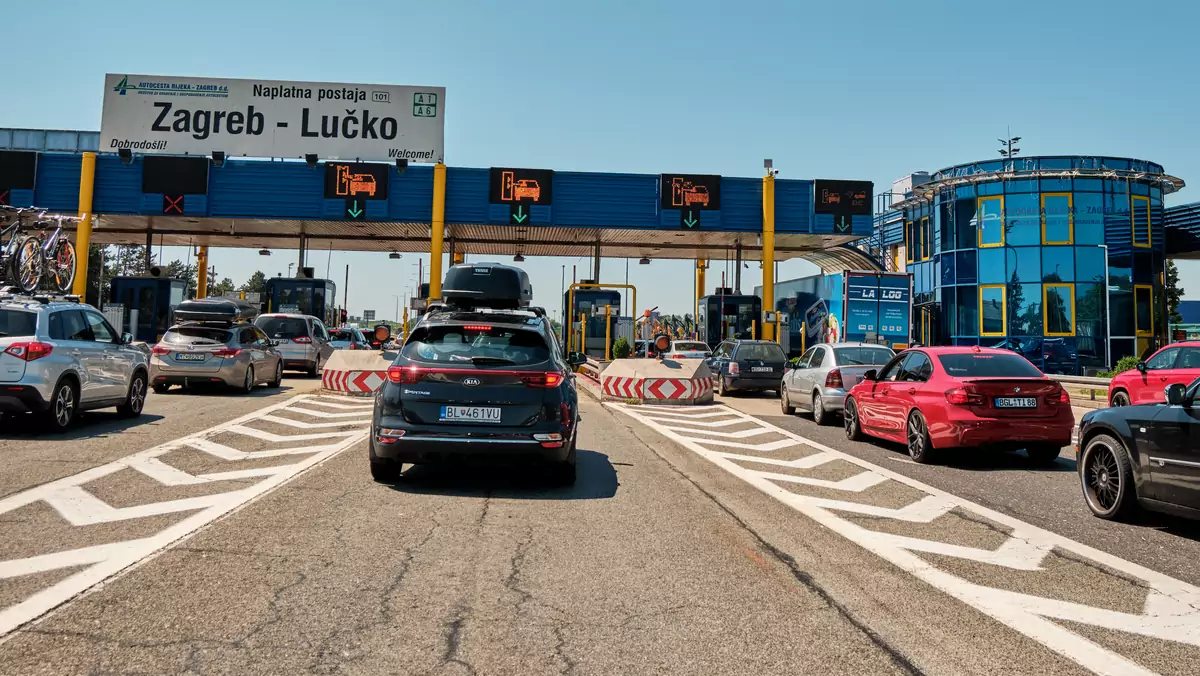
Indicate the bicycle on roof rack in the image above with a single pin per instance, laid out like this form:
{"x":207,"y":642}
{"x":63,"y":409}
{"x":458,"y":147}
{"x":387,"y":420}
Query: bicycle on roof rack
{"x":21,"y":260}
{"x":58,"y":256}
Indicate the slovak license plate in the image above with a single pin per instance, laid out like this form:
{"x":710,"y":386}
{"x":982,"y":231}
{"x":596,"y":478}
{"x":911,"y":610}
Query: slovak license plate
{"x":190,"y":356}
{"x":479,"y":414}
{"x":1016,"y":402}
{"x":761,"y":369}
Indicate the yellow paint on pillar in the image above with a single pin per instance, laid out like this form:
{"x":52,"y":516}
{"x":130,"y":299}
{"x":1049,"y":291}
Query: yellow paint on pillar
{"x":202,"y":273}
{"x":768,"y":252}
{"x":83,"y":232}
{"x":437,"y":231}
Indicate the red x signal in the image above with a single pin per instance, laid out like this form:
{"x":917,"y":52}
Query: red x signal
{"x":172,"y":205}
{"x":4,"y":197}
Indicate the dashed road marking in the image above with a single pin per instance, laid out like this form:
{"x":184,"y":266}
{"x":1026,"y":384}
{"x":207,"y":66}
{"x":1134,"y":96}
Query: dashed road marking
{"x":72,"y":500}
{"x":1171,"y":610}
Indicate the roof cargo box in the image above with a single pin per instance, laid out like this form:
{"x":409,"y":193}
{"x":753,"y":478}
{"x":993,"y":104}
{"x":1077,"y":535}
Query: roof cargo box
{"x":487,"y":285}
{"x":224,"y":310}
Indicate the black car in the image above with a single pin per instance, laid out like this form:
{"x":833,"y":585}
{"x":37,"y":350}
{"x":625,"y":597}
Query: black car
{"x":747,"y":365}
{"x":478,"y":386}
{"x":1147,"y":454}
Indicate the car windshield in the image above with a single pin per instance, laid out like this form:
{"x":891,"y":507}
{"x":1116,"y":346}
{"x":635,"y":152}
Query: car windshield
{"x":860,"y":356}
{"x":283,"y":327}
{"x":760,"y":352}
{"x":686,"y":346}
{"x":17,"y":323}
{"x":342,"y":335}
{"x":988,"y":366}
{"x":500,"y":345}
{"x":195,"y":335}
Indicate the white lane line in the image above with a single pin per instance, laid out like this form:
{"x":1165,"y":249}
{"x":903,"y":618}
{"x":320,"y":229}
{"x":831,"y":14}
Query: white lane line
{"x":715,"y":423}
{"x":740,"y":434}
{"x":300,"y":424}
{"x":69,"y":497}
{"x":765,"y":447}
{"x":1171,"y":611}
{"x":271,"y":436}
{"x":312,"y":401}
{"x":229,"y":453}
{"x":806,"y":462}
{"x":324,"y":414}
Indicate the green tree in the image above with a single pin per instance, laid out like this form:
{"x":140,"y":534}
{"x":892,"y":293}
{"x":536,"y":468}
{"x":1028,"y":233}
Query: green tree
{"x":1174,"y":293}
{"x":224,"y":286}
{"x":256,"y":283}
{"x":1016,"y":301}
{"x":185,"y":271}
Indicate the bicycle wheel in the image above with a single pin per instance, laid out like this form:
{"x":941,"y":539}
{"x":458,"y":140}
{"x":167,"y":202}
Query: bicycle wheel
{"x":62,"y":266}
{"x":27,"y":264}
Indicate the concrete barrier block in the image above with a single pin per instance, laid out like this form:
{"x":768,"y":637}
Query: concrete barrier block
{"x":356,"y":371}
{"x":670,"y":381}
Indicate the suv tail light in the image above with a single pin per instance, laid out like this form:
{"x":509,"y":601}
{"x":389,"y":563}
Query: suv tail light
{"x":303,"y":340}
{"x":1059,"y":397}
{"x":159,"y":350}
{"x":227,"y":352}
{"x":543,"y":380}
{"x":964,"y":396}
{"x":29,"y":351}
{"x":834,"y":379}
{"x":734,"y":369}
{"x":405,"y":376}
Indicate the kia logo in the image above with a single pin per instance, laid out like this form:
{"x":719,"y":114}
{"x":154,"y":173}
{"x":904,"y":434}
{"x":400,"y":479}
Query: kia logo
{"x":470,"y":382}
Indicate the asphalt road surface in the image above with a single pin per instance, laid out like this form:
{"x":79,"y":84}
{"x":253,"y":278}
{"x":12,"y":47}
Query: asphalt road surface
{"x":223,"y":534}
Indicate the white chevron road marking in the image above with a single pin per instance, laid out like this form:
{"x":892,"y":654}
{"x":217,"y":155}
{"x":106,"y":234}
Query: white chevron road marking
{"x":1171,"y":611}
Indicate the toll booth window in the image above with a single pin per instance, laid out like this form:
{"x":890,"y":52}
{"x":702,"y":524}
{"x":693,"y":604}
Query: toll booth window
{"x":481,"y":346}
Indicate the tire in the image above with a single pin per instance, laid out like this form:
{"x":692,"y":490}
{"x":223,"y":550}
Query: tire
{"x":27,"y":264}
{"x":248,"y":382}
{"x":563,"y":473}
{"x":161,"y":389}
{"x":64,"y":406}
{"x":850,"y":421}
{"x":314,"y":370}
{"x":1106,"y":476}
{"x":62,"y":267}
{"x":920,"y":448}
{"x":384,"y":470}
{"x":721,"y":388}
{"x":135,"y":399}
{"x":1120,"y":399}
{"x":820,"y":417}
{"x":278,"y":380}
{"x":785,"y":403}
{"x":1042,"y":455}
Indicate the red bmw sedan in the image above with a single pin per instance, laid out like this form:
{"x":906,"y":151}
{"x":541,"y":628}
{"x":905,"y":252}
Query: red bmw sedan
{"x":934,"y":399}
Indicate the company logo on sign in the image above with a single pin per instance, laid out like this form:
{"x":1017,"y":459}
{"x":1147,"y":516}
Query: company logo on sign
{"x":171,"y":88}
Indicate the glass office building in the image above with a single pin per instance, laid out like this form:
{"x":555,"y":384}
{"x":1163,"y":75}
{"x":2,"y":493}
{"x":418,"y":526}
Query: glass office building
{"x":1059,"y":258}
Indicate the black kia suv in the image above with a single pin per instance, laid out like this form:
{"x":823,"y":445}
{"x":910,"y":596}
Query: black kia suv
{"x":472,"y":384}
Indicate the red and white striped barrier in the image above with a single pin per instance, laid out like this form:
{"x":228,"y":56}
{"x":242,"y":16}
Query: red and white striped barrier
{"x":684,"y":381}
{"x":356,"y":371}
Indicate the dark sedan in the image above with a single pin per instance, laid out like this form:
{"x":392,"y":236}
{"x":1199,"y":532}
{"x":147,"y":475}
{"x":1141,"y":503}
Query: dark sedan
{"x":1146,"y":455}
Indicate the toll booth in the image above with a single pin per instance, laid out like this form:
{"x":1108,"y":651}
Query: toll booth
{"x":591,"y":303}
{"x":726,"y":316}
{"x":301,"y":295}
{"x":148,"y":304}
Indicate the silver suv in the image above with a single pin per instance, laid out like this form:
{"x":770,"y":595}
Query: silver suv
{"x":59,"y":357}
{"x":302,"y":340}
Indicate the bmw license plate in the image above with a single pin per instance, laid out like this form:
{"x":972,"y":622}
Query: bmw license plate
{"x":190,"y":356}
{"x":1016,"y":402}
{"x":478,"y":414}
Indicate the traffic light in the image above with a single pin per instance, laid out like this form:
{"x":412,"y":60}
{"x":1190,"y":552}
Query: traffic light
{"x":345,"y":316}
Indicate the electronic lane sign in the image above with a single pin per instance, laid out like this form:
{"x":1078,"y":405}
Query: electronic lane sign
{"x":521,"y":190}
{"x":17,"y":172}
{"x":356,"y":183}
{"x":844,"y":200}
{"x":691,"y":194}
{"x":174,"y":177}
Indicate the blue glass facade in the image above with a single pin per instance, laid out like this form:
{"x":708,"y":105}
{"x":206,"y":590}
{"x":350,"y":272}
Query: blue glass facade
{"x":1060,"y":258}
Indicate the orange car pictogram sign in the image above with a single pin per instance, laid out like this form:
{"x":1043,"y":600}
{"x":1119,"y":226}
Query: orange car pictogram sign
{"x":512,"y":190}
{"x":685,"y":194}
{"x":354,"y":184}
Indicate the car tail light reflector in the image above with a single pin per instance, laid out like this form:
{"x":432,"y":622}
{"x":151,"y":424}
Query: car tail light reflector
{"x":303,"y":340}
{"x":29,"y":351}
{"x":553,"y":440}
{"x":1059,"y":397}
{"x":227,"y":352}
{"x":405,"y":375}
{"x":734,"y":369}
{"x":834,"y":379}
{"x":386,"y":435}
{"x":159,"y":350}
{"x":477,"y":327}
{"x":546,"y":380}
{"x":962,"y":396}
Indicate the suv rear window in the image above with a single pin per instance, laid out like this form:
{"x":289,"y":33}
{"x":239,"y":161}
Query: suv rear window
{"x":685,"y":346}
{"x":195,"y":335}
{"x":17,"y":323}
{"x":480,"y":345}
{"x":283,"y":327}
{"x":342,"y":335}
{"x":859,"y":356}
{"x":760,"y":352}
{"x":988,"y":366}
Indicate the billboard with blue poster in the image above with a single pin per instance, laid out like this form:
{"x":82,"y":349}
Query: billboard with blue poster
{"x":861,"y":306}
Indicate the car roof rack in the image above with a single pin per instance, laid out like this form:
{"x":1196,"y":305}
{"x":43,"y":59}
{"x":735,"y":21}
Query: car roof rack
{"x":8,"y":295}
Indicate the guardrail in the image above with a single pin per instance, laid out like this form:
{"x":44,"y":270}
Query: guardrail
{"x":1088,"y":385}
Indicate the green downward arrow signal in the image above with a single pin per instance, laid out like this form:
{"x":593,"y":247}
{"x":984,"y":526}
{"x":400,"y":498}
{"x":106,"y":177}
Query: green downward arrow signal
{"x":690,"y":221}
{"x":520,"y":215}
{"x":355,"y":212}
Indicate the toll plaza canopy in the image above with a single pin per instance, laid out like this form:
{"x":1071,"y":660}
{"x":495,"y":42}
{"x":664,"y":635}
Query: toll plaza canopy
{"x":247,"y":203}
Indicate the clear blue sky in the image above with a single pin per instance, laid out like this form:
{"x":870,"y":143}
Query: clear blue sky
{"x":868,"y":90}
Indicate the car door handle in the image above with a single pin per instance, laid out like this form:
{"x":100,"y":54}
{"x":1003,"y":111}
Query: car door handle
{"x":912,"y":390}
{"x":75,"y":353}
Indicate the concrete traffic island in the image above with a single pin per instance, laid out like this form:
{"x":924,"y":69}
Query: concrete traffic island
{"x":650,"y":381}
{"x":358,"y":372}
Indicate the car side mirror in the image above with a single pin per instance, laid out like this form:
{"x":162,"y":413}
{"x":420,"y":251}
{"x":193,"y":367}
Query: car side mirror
{"x":126,"y":338}
{"x":1176,"y":394}
{"x":1141,"y":366}
{"x":871,"y":375}
{"x":576,"y":359}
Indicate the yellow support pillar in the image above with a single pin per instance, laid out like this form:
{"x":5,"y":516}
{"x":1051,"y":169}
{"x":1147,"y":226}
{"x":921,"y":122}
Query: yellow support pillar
{"x":404,"y":329}
{"x":607,"y":333}
{"x":202,"y":273}
{"x":701,"y":266}
{"x":437,"y":240}
{"x":768,"y":252}
{"x":83,"y":233}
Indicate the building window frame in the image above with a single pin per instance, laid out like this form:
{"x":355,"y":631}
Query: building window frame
{"x":1137,"y":330}
{"x":908,"y":241}
{"x":1070,"y":287}
{"x":926,"y":239}
{"x":1133,"y":214}
{"x":1070,"y":217}
{"x":979,"y":202}
{"x":1003,"y":309}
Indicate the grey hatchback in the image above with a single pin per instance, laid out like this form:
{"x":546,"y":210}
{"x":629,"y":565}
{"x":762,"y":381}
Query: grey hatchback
{"x":195,"y":353}
{"x":302,"y":340}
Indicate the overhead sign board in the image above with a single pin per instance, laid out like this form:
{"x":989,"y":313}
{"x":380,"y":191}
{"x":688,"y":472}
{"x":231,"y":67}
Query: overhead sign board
{"x":690,"y":191}
{"x":533,"y":186}
{"x":844,"y":200}
{"x":357,"y":180}
{"x":155,"y":114}
{"x":368,"y":315}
